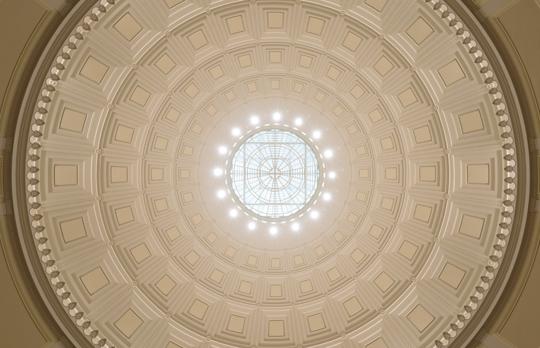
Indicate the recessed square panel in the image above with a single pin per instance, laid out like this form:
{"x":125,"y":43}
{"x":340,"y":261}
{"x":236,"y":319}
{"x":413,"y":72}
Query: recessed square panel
{"x":235,"y":25}
{"x":198,"y":309}
{"x":128,"y":26}
{"x":352,"y":41}
{"x":140,"y":96}
{"x":165,"y":285}
{"x":376,"y":116}
{"x":172,"y":233}
{"x":478,"y":174}
{"x":451,"y":73}
{"x":128,"y":323}
{"x":275,"y":57}
{"x":305,"y":61}
{"x":420,"y":318}
{"x":124,"y":134}
{"x":357,"y":91}
{"x":471,"y":122}
{"x":357,"y":255}
{"x":245,"y":287}
{"x":275,"y":20}
{"x":73,"y":229}
{"x":216,"y":72}
{"x":316,"y":322}
{"x":119,"y":174}
{"x":407,"y":97}
{"x":452,"y":275}
{"x":245,"y":60}
{"x":352,"y":306}
{"x":333,"y":274}
{"x":72,"y":120}
{"x":192,"y":258}
{"x":252,"y":260}
{"x":230,"y":252}
{"x":306,"y":286}
{"x":140,"y":253}
{"x":124,"y":215}
{"x":94,"y":280}
{"x":315,"y":25}
{"x":471,"y":226}
{"x":276,"y":290}
{"x":420,"y":30}
{"x":384,"y":281}
{"x":276,"y":328}
{"x":165,"y":64}
{"x":408,"y":249}
{"x":198,"y":39}
{"x":66,"y":175}
{"x":383,"y":66}
{"x":333,"y":73}
{"x":428,"y":174}
{"x":422,"y":213}
{"x":236,"y":324}
{"x":191,"y":90}
{"x":94,"y":70}
{"x":422,"y":135}
{"x":217,"y":276}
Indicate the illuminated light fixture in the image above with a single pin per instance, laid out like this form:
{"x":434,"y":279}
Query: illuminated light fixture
{"x":328,"y":154}
{"x":222,"y":150}
{"x":327,"y":196}
{"x":221,"y":194}
{"x":316,"y":134}
{"x":314,"y":214}
{"x":298,"y":121}
{"x":273,"y":231}
{"x":254,"y":120}
{"x":295,"y":227}
{"x":233,"y":213}
{"x":276,"y":116}
{"x":236,"y":132}
{"x":218,"y":171}
{"x":332,"y":175}
{"x":252,"y":226}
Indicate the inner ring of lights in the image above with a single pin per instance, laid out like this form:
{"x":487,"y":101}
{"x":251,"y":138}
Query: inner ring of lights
{"x":274,"y":173}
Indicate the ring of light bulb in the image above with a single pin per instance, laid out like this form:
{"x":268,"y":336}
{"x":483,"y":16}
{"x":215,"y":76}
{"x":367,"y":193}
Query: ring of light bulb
{"x":291,"y":223}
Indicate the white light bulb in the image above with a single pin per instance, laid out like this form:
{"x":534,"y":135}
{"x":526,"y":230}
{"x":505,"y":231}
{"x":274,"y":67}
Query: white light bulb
{"x":233,"y":213}
{"x":222,"y":150}
{"x":298,"y":121}
{"x":328,"y":153}
{"x":221,"y":194}
{"x":273,"y":231}
{"x":252,"y":226}
{"x":236,"y":132}
{"x":276,"y":116}
{"x":317,"y":134}
{"x":295,"y":226}
{"x":218,"y":171}
{"x":254,"y":120}
{"x":327,"y":196}
{"x":332,"y":175}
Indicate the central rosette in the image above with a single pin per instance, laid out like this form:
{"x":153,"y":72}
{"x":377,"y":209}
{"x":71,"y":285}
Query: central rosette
{"x":274,"y":173}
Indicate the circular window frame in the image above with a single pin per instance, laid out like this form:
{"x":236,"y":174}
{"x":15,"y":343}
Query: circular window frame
{"x":321,"y":167}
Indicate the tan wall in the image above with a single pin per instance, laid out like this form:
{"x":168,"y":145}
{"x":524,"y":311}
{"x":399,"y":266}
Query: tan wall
{"x":26,"y":25}
{"x":25,"y":28}
{"x":516,"y":30}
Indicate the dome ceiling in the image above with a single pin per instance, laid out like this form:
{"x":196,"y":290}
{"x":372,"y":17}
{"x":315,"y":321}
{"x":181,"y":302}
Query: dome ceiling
{"x":125,"y":141}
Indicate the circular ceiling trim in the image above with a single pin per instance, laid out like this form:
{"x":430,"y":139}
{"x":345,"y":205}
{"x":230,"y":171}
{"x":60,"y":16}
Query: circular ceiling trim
{"x":498,"y":100}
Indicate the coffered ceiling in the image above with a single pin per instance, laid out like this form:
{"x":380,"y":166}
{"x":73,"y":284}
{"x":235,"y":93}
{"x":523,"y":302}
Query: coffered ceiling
{"x":123,"y":140}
